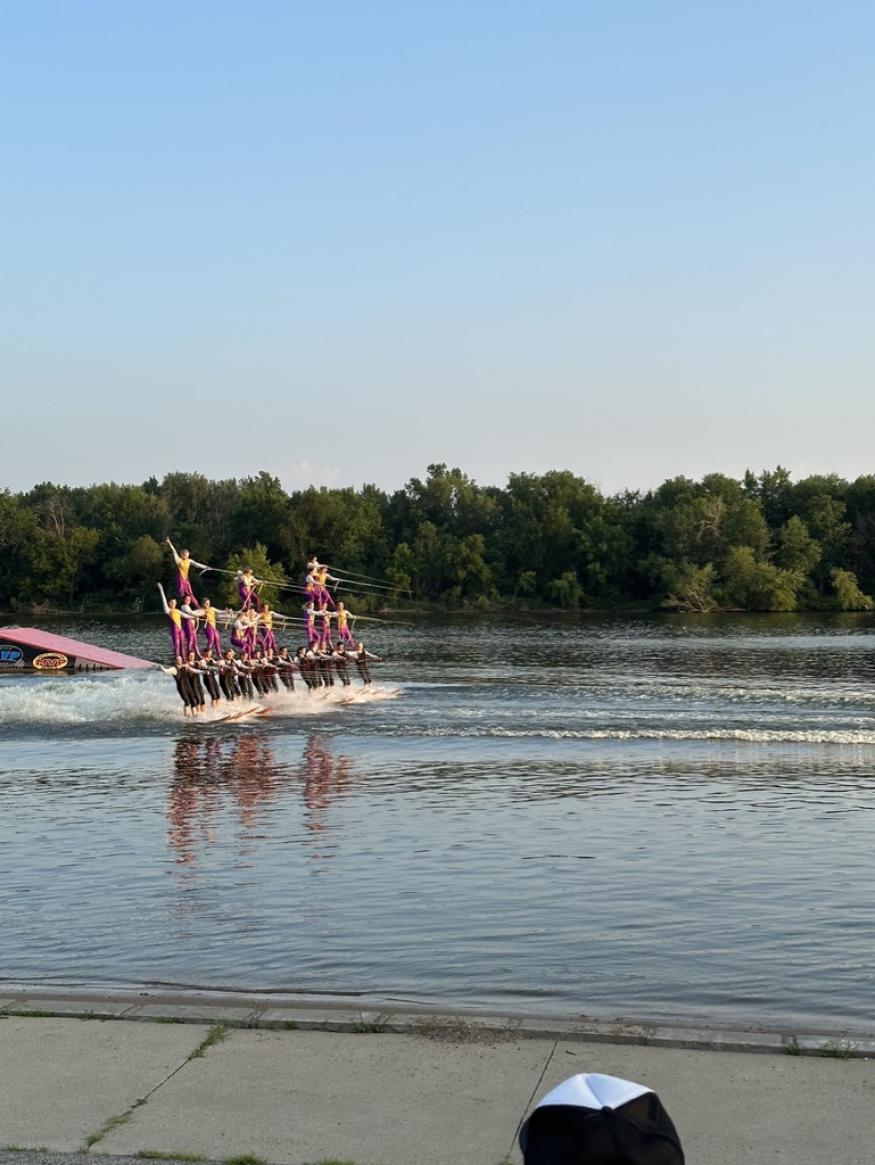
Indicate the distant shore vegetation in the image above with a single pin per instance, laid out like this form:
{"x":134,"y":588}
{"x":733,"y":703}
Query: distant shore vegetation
{"x":552,"y":540}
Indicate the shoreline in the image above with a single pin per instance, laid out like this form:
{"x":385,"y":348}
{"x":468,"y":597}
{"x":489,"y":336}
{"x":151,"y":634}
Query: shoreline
{"x":313,"y":1012}
{"x":493,"y":611}
{"x":182,"y":1089}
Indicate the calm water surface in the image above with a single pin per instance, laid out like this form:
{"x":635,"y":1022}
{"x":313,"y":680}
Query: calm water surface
{"x":636,"y":817}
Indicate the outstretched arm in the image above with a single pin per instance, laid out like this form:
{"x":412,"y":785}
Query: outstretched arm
{"x":172,"y":551}
{"x":163,"y":599}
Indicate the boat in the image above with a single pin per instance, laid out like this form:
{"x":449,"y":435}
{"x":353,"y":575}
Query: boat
{"x":27,"y":649}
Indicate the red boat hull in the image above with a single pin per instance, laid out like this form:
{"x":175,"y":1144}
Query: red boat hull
{"x":29,"y":649}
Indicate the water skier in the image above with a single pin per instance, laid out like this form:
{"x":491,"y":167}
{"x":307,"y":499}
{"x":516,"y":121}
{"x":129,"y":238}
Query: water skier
{"x":266,"y":637}
{"x":243,"y":631}
{"x":314,"y":584}
{"x":246,"y":676}
{"x":211,"y":631}
{"x":228,"y":676}
{"x":247,"y":585}
{"x":175,"y":623}
{"x":194,"y":679}
{"x":343,"y":631}
{"x":305,"y":668}
{"x":183,"y":686}
{"x":322,"y":579}
{"x":251,"y":630}
{"x":362,"y":657}
{"x":310,"y":624}
{"x":341,"y":664}
{"x":325,"y":617}
{"x":313,"y":657}
{"x":191,"y":614}
{"x":286,"y":667}
{"x":266,"y":671}
{"x":325,"y":665}
{"x":184,"y":562}
{"x":210,"y":672}
{"x":239,"y":627}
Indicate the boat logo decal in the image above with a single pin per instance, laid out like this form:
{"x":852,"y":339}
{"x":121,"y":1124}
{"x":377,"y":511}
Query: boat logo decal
{"x":10,"y":655}
{"x":50,"y":661}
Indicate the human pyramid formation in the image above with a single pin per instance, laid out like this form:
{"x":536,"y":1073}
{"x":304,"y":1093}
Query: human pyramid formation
{"x":254,"y":665}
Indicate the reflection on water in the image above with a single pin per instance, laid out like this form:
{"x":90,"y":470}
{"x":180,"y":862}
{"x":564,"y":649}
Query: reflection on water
{"x":244,"y":775}
{"x":205,"y":773}
{"x":652,"y":817}
{"x":324,"y":778}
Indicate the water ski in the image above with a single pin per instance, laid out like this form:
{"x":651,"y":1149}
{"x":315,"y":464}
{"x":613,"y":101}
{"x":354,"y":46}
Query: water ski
{"x":245,"y":712}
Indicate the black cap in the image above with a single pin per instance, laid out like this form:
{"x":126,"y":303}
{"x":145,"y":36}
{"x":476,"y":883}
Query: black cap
{"x":573,"y":1125}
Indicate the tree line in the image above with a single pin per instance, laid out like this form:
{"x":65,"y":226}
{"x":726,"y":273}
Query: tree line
{"x":764,"y":543}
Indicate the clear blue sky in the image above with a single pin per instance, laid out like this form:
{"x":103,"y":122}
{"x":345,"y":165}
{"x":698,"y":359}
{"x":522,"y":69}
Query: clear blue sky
{"x":340,"y":241}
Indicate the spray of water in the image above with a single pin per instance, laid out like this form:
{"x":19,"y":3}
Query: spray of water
{"x":140,"y":697}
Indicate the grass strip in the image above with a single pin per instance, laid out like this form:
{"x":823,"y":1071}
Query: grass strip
{"x":215,"y":1035}
{"x":169,"y":1155}
{"x":114,"y":1122}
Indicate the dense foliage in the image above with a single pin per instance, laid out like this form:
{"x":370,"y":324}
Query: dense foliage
{"x":765,"y":543}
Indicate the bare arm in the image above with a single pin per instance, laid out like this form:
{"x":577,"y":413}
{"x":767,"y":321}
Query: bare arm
{"x":163,"y":599}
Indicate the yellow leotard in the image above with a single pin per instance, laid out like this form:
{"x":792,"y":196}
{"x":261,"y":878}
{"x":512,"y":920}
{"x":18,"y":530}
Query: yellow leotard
{"x":210,"y":616}
{"x":174,"y":616}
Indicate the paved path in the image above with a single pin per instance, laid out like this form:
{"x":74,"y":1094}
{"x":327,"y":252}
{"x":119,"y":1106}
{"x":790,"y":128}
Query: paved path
{"x":445,"y":1092}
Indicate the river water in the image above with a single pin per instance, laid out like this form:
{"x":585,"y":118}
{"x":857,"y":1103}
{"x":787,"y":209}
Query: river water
{"x":637,"y":817}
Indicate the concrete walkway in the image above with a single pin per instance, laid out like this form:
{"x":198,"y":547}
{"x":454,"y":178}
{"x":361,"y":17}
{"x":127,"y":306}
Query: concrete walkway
{"x":442,"y":1091}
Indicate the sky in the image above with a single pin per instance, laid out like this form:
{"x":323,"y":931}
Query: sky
{"x":340,"y":242}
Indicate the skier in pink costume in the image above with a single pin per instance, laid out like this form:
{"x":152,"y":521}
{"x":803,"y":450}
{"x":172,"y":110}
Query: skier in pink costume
{"x":246,"y":588}
{"x":184,"y":562}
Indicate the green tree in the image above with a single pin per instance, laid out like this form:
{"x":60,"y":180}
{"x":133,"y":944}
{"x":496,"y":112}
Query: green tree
{"x":144,"y":565}
{"x":469,"y":572}
{"x":262,"y":515}
{"x":756,"y":585}
{"x":797,"y":550}
{"x":18,"y":532}
{"x":553,"y":524}
{"x":400,"y":571}
{"x":342,"y":527}
{"x":692,"y":589}
{"x":430,"y":558}
{"x":849,"y":597}
{"x":566,"y":591}
{"x":186,"y":498}
{"x":527,"y":583}
{"x":57,"y":562}
{"x":773,"y":491}
{"x":826,"y":521}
